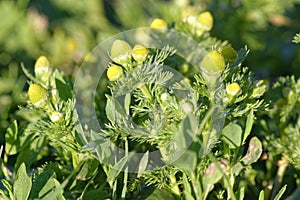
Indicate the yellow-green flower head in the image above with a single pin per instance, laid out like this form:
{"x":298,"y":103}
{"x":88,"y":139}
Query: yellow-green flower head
{"x":159,"y":24}
{"x":120,"y":51}
{"x":55,"y":116}
{"x":42,"y":69}
{"x":36,"y":93}
{"x":139,"y":53}
{"x":213,"y":62}
{"x":41,"y":62}
{"x":114,"y":72}
{"x":233,"y":89}
{"x":206,"y":20}
{"x":229,"y":53}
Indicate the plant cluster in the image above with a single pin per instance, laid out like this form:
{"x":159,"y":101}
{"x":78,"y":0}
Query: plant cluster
{"x":210,"y":111}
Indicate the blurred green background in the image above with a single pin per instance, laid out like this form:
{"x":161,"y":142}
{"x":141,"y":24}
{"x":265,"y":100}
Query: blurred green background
{"x":66,"y":30}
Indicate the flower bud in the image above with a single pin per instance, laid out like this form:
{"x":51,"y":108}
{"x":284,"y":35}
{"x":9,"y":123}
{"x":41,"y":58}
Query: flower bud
{"x":206,"y":20}
{"x":159,"y":24}
{"x":233,"y":89}
{"x":37,"y":94}
{"x":229,"y":53}
{"x":187,"y":107}
{"x":139,"y":53}
{"x":42,"y":69}
{"x":213,"y":62}
{"x":114,"y":72}
{"x":164,"y":97}
{"x":55,"y":116}
{"x":121,"y":52}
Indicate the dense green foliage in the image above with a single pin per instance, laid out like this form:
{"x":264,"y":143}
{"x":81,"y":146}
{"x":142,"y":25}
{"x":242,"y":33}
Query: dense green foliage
{"x":247,"y":148}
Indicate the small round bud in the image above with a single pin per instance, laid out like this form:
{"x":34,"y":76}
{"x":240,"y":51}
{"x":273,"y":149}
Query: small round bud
{"x":41,"y":62}
{"x":233,"y":89}
{"x":120,"y":51}
{"x":159,"y":24}
{"x":213,"y":62}
{"x":36,"y":93}
{"x":114,"y":72}
{"x":164,"y":97}
{"x":139,"y":53}
{"x":229,"y":53}
{"x":184,"y":68}
{"x":187,"y":107}
{"x":55,"y":116}
{"x":42,"y":69}
{"x":187,"y":80}
{"x":206,"y":20}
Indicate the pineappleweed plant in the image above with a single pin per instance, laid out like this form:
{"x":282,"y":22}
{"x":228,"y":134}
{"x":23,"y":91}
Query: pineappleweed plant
{"x":162,"y":112}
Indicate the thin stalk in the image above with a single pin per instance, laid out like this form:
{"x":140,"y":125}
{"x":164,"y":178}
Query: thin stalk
{"x":230,"y":191}
{"x":123,"y":195}
{"x":278,"y":181}
{"x":196,"y":187}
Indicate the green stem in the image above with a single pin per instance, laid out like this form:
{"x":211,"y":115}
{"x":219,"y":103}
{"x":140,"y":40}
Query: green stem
{"x":278,"y":181}
{"x":196,"y":187}
{"x":228,"y":181}
{"x":123,"y":195}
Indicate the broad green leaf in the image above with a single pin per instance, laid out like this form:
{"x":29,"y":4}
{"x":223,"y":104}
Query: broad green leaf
{"x":16,"y":141}
{"x":143,"y":163}
{"x":102,"y":146}
{"x":22,"y":183}
{"x":254,"y":151}
{"x":88,"y":169}
{"x":95,"y":194}
{"x":183,"y":139}
{"x":261,"y":195}
{"x":241,"y":193}
{"x":156,"y":194}
{"x":64,"y":90}
{"x":232,"y":135}
{"x":213,"y":174}
{"x":46,"y":187}
{"x":39,"y":183}
{"x":249,"y":124}
{"x":11,"y":138}
{"x":30,"y":154}
{"x":187,"y":161}
{"x":253,"y":154}
{"x":115,"y":171}
{"x":280,"y":193}
{"x":113,"y":109}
